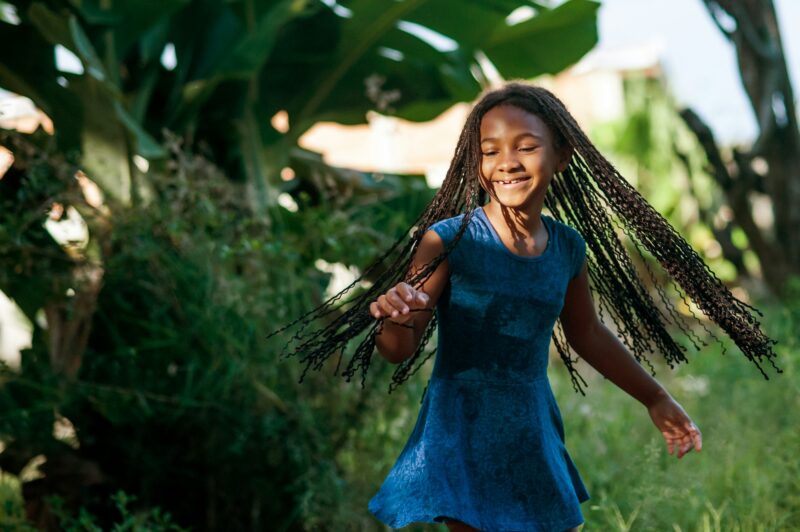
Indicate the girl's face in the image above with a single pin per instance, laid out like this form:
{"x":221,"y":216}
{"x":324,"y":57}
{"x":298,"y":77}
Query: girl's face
{"x":518,"y":157}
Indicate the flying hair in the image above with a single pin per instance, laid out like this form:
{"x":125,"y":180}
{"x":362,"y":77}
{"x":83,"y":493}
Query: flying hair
{"x":591,"y":196}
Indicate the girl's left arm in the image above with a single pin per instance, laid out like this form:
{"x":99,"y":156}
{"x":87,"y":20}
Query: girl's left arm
{"x":601,"y":348}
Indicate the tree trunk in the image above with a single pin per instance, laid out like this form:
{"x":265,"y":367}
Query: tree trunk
{"x":772,"y":164}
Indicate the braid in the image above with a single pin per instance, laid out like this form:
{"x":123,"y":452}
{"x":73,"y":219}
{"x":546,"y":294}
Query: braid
{"x":591,"y":196}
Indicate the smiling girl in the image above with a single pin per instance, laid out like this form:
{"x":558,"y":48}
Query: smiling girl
{"x":493,"y":274}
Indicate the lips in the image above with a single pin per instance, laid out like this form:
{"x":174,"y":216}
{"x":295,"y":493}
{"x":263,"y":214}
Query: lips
{"x":512,"y":182}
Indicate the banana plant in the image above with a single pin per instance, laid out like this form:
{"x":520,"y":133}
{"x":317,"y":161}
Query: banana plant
{"x":216,"y":72}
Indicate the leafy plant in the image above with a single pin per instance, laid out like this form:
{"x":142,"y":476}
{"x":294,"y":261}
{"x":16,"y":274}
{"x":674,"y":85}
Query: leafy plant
{"x":217,"y":72}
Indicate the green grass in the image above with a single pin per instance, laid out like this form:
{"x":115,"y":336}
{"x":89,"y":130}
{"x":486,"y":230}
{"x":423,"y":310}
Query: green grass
{"x":747,"y":476}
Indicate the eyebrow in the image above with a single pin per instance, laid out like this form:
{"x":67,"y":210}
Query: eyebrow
{"x":525,"y":134}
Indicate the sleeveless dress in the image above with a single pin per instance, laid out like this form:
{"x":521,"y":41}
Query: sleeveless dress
{"x":488,"y":447}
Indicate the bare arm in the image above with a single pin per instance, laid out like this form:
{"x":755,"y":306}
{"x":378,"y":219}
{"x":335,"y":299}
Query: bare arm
{"x":597,"y":345}
{"x":395,"y":342}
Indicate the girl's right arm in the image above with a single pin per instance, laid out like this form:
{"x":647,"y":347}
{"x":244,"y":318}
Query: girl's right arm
{"x":402,"y":329}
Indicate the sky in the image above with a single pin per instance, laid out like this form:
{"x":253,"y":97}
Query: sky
{"x":699,"y":62}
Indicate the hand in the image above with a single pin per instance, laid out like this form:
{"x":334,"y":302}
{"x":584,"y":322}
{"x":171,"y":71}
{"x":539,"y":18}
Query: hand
{"x":398,"y":302}
{"x":678,"y":430}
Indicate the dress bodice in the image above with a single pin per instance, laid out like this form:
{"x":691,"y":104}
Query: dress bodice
{"x":496,"y":315}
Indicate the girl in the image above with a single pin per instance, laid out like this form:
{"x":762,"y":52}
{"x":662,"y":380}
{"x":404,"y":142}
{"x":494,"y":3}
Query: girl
{"x":488,"y":449}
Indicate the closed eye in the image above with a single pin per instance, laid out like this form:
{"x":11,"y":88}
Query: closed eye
{"x":528,"y":148}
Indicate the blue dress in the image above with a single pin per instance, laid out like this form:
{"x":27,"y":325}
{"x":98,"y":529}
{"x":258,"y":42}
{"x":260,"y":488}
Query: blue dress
{"x":488,"y":445}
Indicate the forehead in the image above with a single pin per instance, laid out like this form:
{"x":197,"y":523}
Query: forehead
{"x":503,"y":120}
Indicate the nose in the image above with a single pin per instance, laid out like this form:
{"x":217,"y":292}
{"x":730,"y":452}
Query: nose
{"x":508,"y":160}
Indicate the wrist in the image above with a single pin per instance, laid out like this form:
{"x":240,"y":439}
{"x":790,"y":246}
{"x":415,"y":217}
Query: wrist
{"x":407,"y":325}
{"x":655,"y":396}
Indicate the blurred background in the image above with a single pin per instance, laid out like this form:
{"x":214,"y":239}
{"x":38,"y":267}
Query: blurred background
{"x":178,"y":178}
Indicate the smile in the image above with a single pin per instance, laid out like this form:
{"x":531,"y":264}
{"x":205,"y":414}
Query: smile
{"x":514,"y":181}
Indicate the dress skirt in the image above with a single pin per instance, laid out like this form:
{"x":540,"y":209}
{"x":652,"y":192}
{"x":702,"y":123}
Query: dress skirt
{"x":490,"y":454}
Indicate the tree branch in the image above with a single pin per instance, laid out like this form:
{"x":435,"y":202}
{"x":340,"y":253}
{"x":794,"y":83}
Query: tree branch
{"x":736,"y":194}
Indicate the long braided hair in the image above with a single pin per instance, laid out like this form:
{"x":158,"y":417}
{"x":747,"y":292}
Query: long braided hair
{"x":591,"y":196}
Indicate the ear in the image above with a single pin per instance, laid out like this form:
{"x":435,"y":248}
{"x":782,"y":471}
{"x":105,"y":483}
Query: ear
{"x":566,"y":153}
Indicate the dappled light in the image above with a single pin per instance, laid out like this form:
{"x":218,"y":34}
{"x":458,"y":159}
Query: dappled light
{"x":222,"y":225}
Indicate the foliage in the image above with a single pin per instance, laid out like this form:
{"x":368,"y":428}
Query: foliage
{"x":759,"y":181}
{"x":178,"y":399}
{"x":236,"y":64}
{"x":40,"y":267}
{"x":746,"y":476}
{"x":12,"y":512}
{"x":147,"y":349}
{"x":152,"y":520}
{"x":653,"y":146}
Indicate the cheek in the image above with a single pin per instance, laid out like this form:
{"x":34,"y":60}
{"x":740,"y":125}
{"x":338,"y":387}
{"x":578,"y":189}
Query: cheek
{"x":484,"y":179}
{"x":542,"y":167}
{"x":485,"y":168}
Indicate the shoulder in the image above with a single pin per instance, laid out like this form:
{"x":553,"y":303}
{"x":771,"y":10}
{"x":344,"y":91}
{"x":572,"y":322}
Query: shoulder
{"x":574,"y":244}
{"x":572,"y":235}
{"x":447,"y":227}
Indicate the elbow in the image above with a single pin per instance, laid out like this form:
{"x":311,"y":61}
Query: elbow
{"x":396,"y":349}
{"x":392,"y":356}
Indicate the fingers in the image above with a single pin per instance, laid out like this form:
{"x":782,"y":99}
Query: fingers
{"x":691,"y":438}
{"x":415,"y":298}
{"x":391,"y":305}
{"x":679,"y":431}
{"x":682,"y":442}
{"x":675,"y":446}
{"x":697,"y":437}
{"x":382,"y":308}
{"x":398,"y":300}
{"x":405,"y":291}
{"x":686,"y":445}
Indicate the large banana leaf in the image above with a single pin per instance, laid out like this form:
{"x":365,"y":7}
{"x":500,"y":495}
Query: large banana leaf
{"x":430,"y":80}
{"x":238,"y":62}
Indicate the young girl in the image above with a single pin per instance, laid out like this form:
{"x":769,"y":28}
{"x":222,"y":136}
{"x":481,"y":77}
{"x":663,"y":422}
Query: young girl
{"x":488,"y":448}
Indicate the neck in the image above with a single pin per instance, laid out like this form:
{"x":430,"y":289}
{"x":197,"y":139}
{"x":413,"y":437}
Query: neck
{"x":525,"y":221}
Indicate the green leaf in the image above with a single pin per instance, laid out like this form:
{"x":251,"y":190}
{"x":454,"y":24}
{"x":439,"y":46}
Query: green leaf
{"x":129,"y":20}
{"x":428,"y":79}
{"x":526,"y":50}
{"x":34,"y":75}
{"x":146,"y":146}
{"x":85,"y":50}
{"x":229,"y":59}
{"x":67,"y":31}
{"x":255,"y":46}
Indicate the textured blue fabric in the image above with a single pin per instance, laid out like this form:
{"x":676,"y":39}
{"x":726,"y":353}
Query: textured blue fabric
{"x":488,"y":447}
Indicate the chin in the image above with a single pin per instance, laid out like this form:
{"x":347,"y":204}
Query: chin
{"x":514,"y":201}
